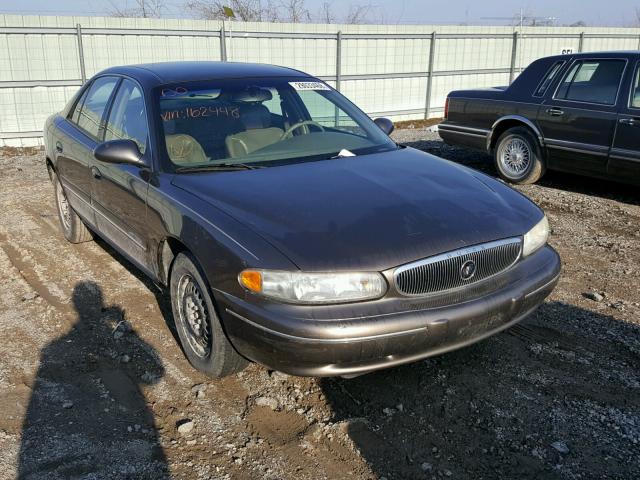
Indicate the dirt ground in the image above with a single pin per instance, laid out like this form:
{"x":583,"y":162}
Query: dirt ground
{"x":94,"y":385}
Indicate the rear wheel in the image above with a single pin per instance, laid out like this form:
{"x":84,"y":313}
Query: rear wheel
{"x":517,"y":156}
{"x":203,"y":340}
{"x":73,"y":228}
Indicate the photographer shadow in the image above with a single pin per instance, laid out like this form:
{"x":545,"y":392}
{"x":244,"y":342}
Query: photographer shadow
{"x":87,"y":415}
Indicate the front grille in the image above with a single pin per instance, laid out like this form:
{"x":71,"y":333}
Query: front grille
{"x":444,"y":272}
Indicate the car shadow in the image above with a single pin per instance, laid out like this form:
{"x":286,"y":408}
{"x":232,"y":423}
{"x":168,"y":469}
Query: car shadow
{"x":553,"y":397}
{"x":87,"y":415}
{"x":557,"y":180}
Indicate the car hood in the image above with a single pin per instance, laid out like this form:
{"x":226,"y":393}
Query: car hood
{"x":369,"y":212}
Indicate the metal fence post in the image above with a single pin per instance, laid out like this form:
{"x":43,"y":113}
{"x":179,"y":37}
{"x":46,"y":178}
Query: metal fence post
{"x":83,"y":73}
{"x":223,"y":44}
{"x":514,"y":56}
{"x":432,"y":51}
{"x":338,"y":59}
{"x":581,"y":43}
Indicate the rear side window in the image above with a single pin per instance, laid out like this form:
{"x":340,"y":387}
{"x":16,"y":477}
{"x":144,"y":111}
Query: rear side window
{"x":75,"y":115}
{"x":592,"y":81}
{"x":635,"y":89}
{"x":548,"y":79}
{"x":95,"y":103}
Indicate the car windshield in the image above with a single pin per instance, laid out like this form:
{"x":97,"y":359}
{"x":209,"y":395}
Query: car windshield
{"x":262,"y":122}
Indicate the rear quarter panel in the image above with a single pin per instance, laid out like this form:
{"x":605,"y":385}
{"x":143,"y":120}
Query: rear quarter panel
{"x":482,"y":109}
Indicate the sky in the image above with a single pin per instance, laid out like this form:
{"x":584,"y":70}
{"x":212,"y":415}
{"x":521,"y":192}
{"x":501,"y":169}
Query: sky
{"x":593,"y":12}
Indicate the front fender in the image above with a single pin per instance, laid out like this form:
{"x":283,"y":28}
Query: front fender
{"x":222,"y":245}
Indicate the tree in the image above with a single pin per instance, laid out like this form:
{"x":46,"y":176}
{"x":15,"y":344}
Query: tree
{"x":358,"y":13}
{"x":244,"y":10}
{"x":295,"y":11}
{"x":326,"y":15}
{"x":142,"y":9}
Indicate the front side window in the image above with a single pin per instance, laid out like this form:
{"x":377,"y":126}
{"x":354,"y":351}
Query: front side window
{"x":262,"y":122}
{"x":592,"y":81}
{"x":90,"y":116}
{"x":127,"y":119}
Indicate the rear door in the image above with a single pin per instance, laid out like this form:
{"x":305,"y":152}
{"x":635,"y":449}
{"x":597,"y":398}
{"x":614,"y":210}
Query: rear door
{"x":79,"y":136}
{"x":578,"y":118}
{"x":624,"y":159}
{"x":118,"y":191}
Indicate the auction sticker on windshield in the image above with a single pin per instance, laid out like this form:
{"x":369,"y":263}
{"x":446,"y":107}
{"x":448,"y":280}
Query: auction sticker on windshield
{"x":309,"y":86}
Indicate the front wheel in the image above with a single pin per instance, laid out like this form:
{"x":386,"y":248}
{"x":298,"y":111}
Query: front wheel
{"x":73,"y":228}
{"x":517,"y":157}
{"x":203,"y":340}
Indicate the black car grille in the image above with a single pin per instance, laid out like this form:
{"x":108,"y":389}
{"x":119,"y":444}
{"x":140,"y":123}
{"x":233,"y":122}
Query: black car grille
{"x":444,"y":272}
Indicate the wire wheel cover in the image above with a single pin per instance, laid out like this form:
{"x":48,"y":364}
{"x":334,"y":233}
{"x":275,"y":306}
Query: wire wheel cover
{"x":515,"y":156}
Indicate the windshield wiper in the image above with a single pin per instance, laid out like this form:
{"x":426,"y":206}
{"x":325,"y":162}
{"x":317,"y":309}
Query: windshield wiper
{"x":226,"y":167}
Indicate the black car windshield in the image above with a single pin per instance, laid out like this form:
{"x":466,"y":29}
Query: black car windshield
{"x":261,"y":122}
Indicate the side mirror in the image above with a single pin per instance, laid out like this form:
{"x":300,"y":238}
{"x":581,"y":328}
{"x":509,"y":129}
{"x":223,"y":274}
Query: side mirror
{"x":385,"y":125}
{"x":119,"y":151}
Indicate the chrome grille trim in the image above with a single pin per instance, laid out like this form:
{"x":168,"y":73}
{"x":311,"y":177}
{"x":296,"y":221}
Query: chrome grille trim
{"x":441,"y":273}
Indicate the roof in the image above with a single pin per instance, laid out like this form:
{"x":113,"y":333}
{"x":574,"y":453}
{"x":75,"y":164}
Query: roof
{"x":605,"y":54}
{"x":175,"y":72}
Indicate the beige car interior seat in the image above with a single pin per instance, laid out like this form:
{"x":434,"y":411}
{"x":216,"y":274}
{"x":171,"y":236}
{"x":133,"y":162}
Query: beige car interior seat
{"x":183,"y":149}
{"x":256,"y":120}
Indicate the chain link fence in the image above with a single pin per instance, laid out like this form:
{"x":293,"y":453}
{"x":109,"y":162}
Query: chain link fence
{"x":402,"y":72}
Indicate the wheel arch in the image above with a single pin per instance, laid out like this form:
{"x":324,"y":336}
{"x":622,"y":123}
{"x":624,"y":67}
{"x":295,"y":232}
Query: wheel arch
{"x":505,"y":123}
{"x":168,"y":250}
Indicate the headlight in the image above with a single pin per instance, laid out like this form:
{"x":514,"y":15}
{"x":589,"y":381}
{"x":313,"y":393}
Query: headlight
{"x":536,"y":237}
{"x":301,"y":287}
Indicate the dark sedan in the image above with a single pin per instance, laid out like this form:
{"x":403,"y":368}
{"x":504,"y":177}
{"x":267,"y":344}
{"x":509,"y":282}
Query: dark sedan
{"x":288,"y":227}
{"x":577,"y":113}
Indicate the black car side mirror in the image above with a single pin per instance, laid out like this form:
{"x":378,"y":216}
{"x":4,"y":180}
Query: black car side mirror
{"x":385,"y":125}
{"x":119,"y":151}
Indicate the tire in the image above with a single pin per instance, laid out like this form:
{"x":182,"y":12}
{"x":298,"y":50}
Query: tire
{"x":203,"y":340}
{"x":518,"y":158}
{"x":73,"y":228}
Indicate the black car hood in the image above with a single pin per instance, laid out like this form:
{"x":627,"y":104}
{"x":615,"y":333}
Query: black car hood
{"x":370,"y":212}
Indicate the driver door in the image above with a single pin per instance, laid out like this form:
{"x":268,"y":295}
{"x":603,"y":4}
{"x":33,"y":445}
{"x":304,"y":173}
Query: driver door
{"x":119,"y":191}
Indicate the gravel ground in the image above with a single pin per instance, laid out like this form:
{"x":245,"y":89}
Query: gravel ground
{"x":94,"y":385}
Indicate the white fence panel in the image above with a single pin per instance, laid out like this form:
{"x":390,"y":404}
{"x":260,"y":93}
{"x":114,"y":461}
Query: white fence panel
{"x":391,"y":70}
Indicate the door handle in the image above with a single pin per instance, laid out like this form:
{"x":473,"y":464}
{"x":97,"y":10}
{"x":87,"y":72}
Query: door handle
{"x":96,"y":173}
{"x":555,"y":112}
{"x":58,"y":147}
{"x":629,"y":121}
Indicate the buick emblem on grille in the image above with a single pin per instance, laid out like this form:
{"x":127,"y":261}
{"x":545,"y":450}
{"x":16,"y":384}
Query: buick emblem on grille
{"x":468,"y":270}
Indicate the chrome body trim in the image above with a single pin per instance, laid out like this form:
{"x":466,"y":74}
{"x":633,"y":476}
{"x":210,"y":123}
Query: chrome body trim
{"x":586,"y":148}
{"x":460,"y":130}
{"x":625,"y":154}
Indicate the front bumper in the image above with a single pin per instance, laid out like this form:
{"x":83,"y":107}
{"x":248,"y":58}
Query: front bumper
{"x":357,"y":338}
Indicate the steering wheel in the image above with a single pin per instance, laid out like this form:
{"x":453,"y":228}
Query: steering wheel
{"x":289,"y":131}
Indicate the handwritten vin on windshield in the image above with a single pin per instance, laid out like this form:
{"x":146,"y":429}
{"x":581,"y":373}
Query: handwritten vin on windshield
{"x":200,"y":112}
